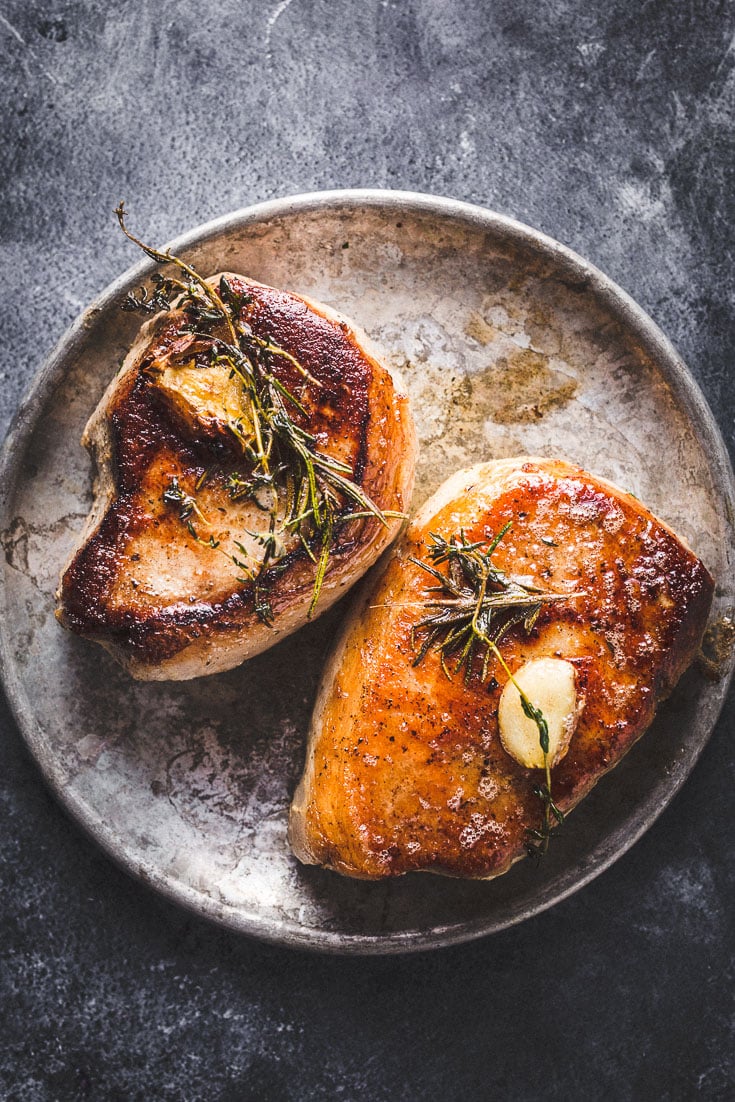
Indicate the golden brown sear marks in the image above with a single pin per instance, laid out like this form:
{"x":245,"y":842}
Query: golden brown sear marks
{"x":167,"y":605}
{"x":406,"y":769}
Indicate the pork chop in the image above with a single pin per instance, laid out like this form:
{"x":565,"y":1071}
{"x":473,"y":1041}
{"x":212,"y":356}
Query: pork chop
{"x":189,"y":562}
{"x":599,"y":608}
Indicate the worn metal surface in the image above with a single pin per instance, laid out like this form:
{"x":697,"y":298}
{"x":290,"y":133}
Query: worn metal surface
{"x":508,"y":344}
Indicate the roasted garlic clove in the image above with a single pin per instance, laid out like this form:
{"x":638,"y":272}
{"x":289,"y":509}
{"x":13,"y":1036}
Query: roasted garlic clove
{"x":208,"y":398}
{"x":550,"y":685}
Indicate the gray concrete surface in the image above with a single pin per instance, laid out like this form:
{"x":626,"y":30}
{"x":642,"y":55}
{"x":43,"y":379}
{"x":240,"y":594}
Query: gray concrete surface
{"x":610,"y":127}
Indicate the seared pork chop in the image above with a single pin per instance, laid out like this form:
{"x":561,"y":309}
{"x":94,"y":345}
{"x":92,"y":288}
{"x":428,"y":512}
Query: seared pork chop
{"x":599,"y":609}
{"x":191,"y":563}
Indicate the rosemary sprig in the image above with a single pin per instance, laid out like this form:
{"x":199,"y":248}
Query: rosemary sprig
{"x":469,"y":611}
{"x":303,"y":490}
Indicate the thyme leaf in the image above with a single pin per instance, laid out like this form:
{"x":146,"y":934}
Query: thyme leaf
{"x":175,"y":497}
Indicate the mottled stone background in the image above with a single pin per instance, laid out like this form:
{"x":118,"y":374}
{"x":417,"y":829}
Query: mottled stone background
{"x":609,"y":125}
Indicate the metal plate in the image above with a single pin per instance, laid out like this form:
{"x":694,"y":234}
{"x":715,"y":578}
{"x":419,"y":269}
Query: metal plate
{"x":508,"y":343}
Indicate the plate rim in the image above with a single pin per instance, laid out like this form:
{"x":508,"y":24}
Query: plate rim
{"x":604,"y":289}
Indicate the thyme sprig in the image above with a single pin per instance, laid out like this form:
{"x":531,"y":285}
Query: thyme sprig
{"x":303,"y":489}
{"x":537,"y":838}
{"x":472,"y":606}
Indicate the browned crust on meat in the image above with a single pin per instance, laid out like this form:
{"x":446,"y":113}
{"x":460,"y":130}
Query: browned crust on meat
{"x":136,"y":439}
{"x":405,"y":769}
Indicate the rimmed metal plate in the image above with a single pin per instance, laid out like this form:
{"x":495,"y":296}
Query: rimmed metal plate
{"x":508,"y":344}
